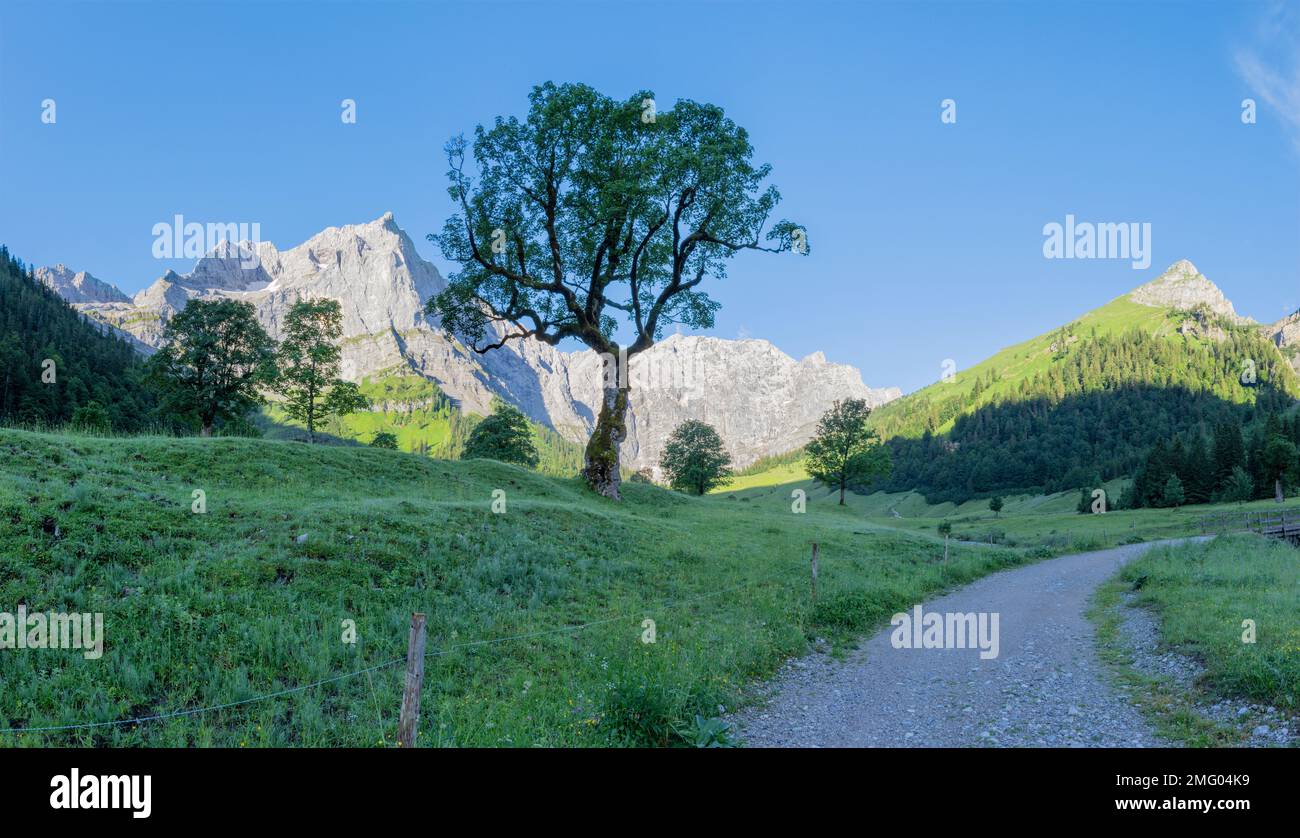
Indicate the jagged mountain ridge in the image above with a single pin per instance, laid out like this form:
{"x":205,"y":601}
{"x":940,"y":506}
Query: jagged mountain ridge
{"x":1285,"y":333}
{"x":1183,"y":287}
{"x":79,"y":286}
{"x":762,"y":401}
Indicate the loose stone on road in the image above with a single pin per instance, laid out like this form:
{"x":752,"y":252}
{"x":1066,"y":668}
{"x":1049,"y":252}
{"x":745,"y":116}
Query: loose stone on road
{"x":1046,"y":688}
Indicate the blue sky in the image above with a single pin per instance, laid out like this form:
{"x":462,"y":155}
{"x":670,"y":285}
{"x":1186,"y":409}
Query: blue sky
{"x":927,"y":237}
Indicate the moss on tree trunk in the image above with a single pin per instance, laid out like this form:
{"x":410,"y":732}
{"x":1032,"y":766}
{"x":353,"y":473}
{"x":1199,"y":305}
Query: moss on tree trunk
{"x":601,"y":459}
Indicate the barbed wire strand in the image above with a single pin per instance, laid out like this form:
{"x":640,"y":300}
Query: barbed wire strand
{"x":433,"y":654}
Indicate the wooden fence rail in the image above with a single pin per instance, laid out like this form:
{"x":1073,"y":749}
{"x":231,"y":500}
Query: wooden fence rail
{"x":1276,"y":523}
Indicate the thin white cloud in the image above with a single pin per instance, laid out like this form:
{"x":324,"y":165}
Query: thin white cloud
{"x":1271,"y":66}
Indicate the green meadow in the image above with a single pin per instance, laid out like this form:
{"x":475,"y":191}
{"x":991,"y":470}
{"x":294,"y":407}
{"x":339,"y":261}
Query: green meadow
{"x":421,"y":418}
{"x":536,"y":615}
{"x":1029,"y":521}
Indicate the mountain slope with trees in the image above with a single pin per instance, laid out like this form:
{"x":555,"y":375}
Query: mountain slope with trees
{"x":1087,"y":402}
{"x":56,"y":367}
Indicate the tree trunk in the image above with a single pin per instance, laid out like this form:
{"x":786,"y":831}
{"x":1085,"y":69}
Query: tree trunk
{"x":841,"y":493}
{"x":1277,"y":490}
{"x":600,"y":468}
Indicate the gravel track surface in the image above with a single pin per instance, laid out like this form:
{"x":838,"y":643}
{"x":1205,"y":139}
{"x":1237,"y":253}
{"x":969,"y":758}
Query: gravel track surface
{"x":1046,"y":688}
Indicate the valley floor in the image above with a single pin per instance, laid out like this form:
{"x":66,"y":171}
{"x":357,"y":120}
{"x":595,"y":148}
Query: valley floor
{"x":230,"y":574}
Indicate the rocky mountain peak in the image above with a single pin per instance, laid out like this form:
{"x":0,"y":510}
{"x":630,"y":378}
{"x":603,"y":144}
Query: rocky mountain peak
{"x":1286,"y":334}
{"x":79,"y":286}
{"x":1184,"y":287}
{"x":761,"y":400}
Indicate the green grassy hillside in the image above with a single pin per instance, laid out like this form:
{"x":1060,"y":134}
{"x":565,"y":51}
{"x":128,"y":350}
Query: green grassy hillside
{"x":535,"y":615}
{"x":936,"y":407}
{"x":1083,"y":404}
{"x":424,"y":420}
{"x":1026,"y":520}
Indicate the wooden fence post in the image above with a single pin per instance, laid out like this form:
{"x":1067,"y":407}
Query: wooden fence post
{"x":814,"y":576}
{"x":410,"y":718}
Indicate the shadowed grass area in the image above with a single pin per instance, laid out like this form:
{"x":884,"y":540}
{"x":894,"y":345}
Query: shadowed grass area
{"x":250,"y":596}
{"x":1028,"y":521}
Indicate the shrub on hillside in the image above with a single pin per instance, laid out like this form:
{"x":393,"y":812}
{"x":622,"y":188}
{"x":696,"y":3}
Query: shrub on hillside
{"x":504,"y":436}
{"x":384,"y":439}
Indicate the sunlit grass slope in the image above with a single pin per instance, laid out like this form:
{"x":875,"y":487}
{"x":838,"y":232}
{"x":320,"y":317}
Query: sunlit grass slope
{"x":415,"y":411}
{"x":535,"y":615}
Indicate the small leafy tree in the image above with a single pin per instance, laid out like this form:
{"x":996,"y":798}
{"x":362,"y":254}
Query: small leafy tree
{"x":1280,"y":464}
{"x":1173,"y":493}
{"x":845,"y":452}
{"x":344,"y":399}
{"x":1238,"y":488}
{"x":505,"y":436}
{"x":309,"y":365}
{"x":384,"y":439}
{"x":215,"y":357}
{"x":995,"y":504}
{"x":694,"y":458}
{"x":592,"y":210}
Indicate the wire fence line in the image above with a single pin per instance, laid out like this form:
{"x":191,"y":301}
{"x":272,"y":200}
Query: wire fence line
{"x":438,"y":652}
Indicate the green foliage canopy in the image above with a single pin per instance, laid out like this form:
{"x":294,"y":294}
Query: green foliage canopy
{"x":215,"y":358}
{"x":694,"y":458}
{"x":504,"y":436}
{"x":845,"y":453}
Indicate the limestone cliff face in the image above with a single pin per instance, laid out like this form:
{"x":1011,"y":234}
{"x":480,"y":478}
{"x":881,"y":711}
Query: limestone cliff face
{"x":1183,"y":287}
{"x":79,"y":286}
{"x":1286,"y":334}
{"x":761,"y":401}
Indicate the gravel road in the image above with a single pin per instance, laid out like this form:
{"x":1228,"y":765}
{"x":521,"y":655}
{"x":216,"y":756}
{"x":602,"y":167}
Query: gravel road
{"x":1046,"y":688}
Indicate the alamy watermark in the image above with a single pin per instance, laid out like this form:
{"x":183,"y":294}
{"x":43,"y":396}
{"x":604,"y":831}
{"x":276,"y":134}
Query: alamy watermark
{"x":108,"y":791}
{"x":180,"y":239}
{"x":669,"y":371}
{"x":951,"y":630}
{"x":1107,"y":240}
{"x":53,"y":630}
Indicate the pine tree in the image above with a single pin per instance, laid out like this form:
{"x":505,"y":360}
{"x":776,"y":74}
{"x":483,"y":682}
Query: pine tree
{"x":1198,"y":471}
{"x":1229,"y":452}
{"x":54,"y":361}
